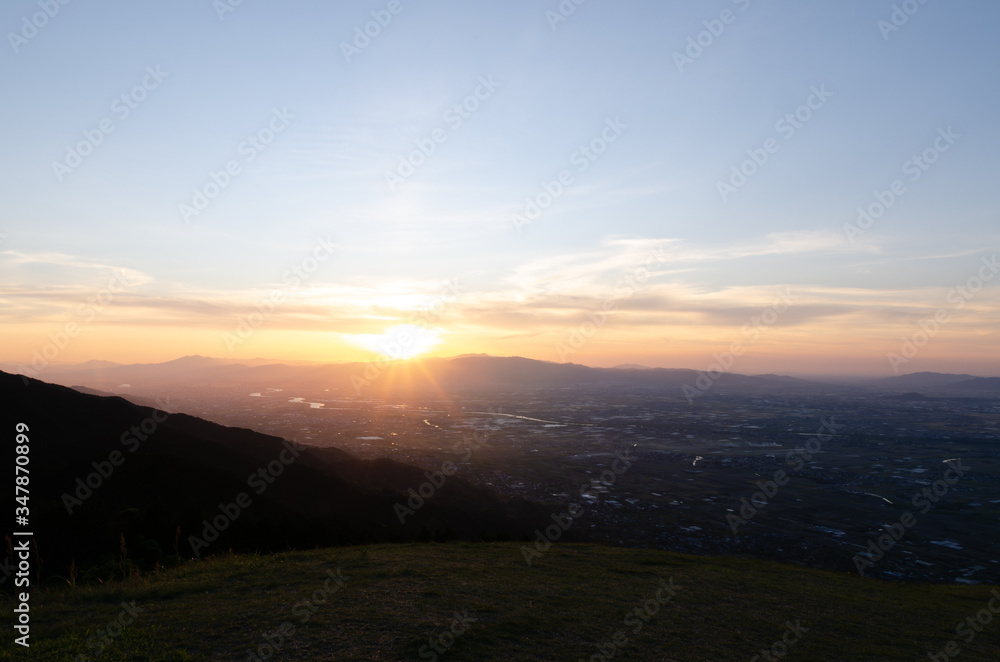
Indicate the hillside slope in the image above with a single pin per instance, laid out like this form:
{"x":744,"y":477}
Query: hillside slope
{"x":399,"y":602}
{"x":104,"y":470}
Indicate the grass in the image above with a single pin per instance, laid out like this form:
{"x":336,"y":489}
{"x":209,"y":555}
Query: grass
{"x":398,"y":599}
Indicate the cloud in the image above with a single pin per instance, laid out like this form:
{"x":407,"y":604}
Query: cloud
{"x":538,"y":299}
{"x":62,"y":267}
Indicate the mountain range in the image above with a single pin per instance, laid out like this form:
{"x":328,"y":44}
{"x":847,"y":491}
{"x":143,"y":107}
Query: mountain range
{"x":482,"y":372}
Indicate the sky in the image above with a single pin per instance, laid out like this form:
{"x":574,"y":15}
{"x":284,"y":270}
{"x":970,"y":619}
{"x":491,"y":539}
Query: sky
{"x":797,"y":187}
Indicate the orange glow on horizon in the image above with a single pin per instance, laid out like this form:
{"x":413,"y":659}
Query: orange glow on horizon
{"x":818,"y":348}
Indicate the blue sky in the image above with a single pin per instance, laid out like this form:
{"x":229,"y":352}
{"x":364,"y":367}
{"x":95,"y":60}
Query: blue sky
{"x":656,"y":185}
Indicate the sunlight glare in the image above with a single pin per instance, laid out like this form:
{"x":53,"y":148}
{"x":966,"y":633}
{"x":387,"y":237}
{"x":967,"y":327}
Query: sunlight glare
{"x":403,"y":341}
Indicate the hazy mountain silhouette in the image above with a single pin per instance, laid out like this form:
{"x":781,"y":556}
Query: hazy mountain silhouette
{"x":390,"y":377}
{"x":479,"y":371}
{"x":920,"y":380}
{"x":941,"y":384}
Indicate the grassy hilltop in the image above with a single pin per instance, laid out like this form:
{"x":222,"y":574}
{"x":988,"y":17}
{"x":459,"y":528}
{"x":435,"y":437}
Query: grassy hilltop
{"x":463,"y":601}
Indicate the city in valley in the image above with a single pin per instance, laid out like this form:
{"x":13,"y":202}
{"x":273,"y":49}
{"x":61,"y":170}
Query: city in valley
{"x":896,"y":478}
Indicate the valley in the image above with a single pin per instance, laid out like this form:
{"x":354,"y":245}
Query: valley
{"x":802,"y":472}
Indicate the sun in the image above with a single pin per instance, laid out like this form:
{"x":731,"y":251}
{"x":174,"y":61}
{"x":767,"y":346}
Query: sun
{"x":403,"y":341}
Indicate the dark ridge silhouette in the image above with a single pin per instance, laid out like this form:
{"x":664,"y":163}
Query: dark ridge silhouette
{"x":179,"y":471}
